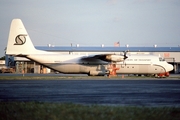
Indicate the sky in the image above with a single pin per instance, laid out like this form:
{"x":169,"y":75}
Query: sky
{"x":138,"y":23}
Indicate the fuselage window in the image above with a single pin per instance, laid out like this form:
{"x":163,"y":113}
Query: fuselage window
{"x":161,"y":59}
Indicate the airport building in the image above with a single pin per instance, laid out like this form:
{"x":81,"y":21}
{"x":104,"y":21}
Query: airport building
{"x":23,"y":65}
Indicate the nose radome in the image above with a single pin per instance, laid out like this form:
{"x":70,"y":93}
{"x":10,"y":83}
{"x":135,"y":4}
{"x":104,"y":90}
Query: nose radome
{"x":170,"y":67}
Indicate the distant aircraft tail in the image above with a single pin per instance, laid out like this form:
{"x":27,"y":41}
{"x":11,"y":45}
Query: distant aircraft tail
{"x":19,"y":42}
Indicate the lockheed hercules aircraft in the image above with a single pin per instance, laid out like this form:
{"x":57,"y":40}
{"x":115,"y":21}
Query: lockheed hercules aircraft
{"x":20,"y":44}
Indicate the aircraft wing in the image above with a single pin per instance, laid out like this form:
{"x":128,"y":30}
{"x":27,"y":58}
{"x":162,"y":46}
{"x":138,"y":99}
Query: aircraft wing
{"x":107,"y":57}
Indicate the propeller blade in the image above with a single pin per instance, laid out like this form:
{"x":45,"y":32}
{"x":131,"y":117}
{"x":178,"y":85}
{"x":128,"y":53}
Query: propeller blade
{"x":125,"y":55}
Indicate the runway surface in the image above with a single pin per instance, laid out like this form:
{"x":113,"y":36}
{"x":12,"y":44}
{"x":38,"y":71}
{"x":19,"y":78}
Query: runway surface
{"x":103,"y":92}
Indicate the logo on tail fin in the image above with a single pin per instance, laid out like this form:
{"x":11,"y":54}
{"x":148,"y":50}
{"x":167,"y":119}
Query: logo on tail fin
{"x":20,"y":39}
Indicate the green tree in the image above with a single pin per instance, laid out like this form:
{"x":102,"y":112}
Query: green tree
{"x":2,"y":58}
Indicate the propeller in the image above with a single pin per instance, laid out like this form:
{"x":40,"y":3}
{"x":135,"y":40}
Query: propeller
{"x":125,"y":54}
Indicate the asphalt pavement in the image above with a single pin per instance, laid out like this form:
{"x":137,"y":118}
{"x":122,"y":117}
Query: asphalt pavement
{"x":147,"y":92}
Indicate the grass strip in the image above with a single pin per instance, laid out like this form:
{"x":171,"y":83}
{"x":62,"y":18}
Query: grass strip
{"x":69,"y":111}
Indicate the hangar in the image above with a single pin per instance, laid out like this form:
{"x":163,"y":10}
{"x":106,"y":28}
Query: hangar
{"x":23,"y":65}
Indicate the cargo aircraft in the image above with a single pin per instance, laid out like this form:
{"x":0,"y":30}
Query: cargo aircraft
{"x":20,"y":44}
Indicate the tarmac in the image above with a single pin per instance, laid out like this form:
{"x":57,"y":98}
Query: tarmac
{"x":121,"y":92}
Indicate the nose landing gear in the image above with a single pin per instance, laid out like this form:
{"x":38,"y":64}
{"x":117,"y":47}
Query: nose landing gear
{"x":161,"y":75}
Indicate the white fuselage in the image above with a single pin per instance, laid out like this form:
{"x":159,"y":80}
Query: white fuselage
{"x":134,"y":64}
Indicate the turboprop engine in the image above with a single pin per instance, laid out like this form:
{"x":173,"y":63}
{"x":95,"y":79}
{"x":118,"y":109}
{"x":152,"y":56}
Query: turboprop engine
{"x":115,"y":58}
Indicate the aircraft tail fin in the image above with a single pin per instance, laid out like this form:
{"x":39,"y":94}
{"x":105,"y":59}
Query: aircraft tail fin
{"x":19,"y":42}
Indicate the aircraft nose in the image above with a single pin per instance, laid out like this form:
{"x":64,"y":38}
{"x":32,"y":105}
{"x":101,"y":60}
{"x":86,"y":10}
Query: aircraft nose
{"x":169,"y":67}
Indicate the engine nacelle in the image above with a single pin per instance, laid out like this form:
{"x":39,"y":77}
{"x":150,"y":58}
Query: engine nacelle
{"x":115,"y":58}
{"x":97,"y":73}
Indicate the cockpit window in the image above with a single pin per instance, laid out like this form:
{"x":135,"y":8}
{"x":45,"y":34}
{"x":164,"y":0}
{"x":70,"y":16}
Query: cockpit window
{"x":161,"y":59}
